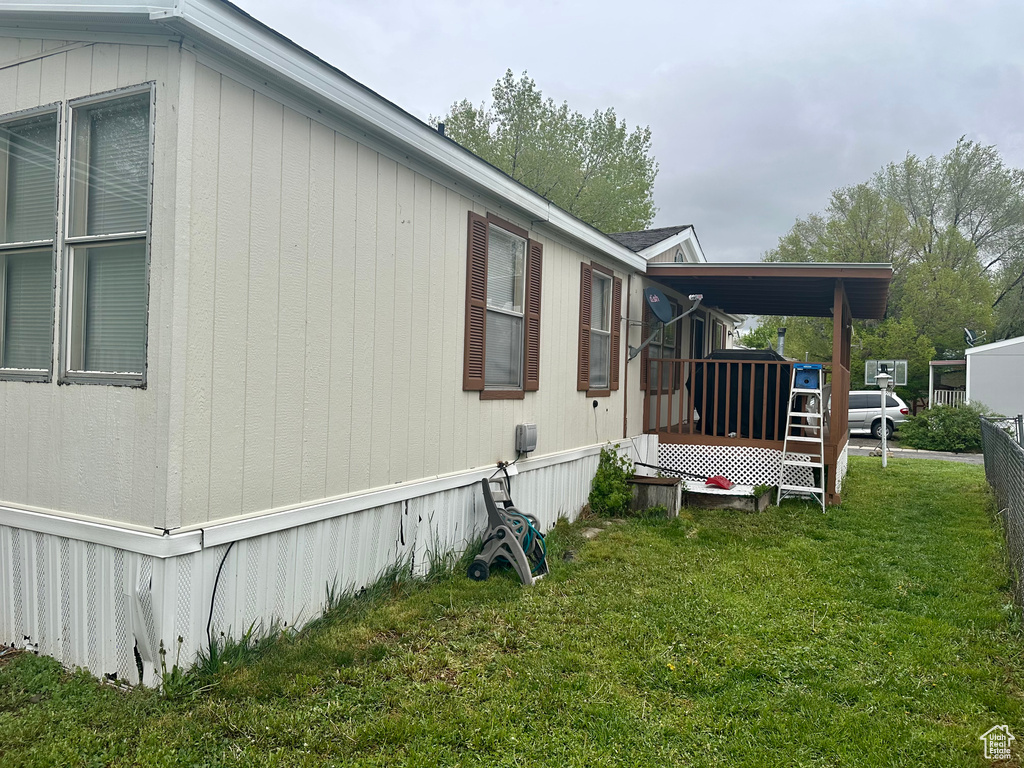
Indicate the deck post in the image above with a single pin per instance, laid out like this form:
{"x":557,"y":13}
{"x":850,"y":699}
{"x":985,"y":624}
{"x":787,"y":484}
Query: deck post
{"x":840,"y":390}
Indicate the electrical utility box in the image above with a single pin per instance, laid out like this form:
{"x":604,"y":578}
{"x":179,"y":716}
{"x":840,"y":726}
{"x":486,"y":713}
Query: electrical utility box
{"x":807,"y":376}
{"x":526,"y":438}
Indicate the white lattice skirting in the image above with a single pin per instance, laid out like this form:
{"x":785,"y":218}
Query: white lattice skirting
{"x":92,"y":605}
{"x":841,"y":464}
{"x":744,"y":465}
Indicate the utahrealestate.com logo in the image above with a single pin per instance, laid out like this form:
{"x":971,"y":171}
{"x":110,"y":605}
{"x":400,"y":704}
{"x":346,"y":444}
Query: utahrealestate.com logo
{"x":997,"y":742}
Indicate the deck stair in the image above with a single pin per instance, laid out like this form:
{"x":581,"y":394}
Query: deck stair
{"x":805,"y":432}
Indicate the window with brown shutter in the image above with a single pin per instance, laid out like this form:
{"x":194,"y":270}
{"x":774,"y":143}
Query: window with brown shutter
{"x":583,"y":362}
{"x":599,"y":333}
{"x":504,"y":267}
{"x":616,"y":314}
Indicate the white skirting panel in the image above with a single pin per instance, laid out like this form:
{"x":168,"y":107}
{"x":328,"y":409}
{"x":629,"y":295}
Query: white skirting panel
{"x":94,"y":606}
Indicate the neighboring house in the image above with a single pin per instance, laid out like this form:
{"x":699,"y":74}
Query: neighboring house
{"x":994,"y":375}
{"x":264,"y":332}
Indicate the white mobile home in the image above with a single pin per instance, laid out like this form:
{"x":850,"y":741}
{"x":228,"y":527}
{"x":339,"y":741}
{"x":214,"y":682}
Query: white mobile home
{"x":260,"y":322}
{"x":994,"y":375}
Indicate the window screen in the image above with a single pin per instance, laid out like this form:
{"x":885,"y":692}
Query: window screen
{"x":506,"y":256}
{"x":27,"y":324}
{"x":504,"y":350}
{"x":28,"y":151}
{"x":110,"y":160}
{"x":110,"y":167}
{"x":506,"y":284}
{"x":600,"y":330}
{"x":114,"y":307}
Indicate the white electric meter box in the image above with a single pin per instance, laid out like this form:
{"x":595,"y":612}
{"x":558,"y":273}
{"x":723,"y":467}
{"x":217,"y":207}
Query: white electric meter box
{"x":526,"y":438}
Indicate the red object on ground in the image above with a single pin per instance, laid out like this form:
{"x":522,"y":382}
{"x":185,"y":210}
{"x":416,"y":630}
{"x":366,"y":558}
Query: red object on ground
{"x":720,"y":481}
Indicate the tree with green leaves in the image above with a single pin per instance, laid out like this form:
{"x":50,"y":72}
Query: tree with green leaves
{"x":593,"y":167}
{"x":953,"y":229}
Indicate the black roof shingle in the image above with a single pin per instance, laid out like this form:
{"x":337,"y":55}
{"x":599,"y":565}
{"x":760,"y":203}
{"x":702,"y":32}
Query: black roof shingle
{"x":645,"y":238}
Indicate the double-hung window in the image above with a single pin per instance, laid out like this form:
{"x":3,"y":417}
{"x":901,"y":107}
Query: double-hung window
{"x":600,"y":310}
{"x":106,"y":286}
{"x":503,"y":290}
{"x":600,"y":330}
{"x":506,"y":284}
{"x":717,"y":335}
{"x":28,"y":207}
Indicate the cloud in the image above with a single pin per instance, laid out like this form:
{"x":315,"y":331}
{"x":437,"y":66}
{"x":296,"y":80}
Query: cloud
{"x":758,"y":110}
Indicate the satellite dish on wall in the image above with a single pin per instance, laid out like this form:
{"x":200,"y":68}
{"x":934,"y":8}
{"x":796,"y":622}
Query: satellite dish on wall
{"x":971,"y":338}
{"x":658,"y":303}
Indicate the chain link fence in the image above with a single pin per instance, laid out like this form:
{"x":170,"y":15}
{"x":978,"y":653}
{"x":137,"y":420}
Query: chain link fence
{"x":1003,"y":443}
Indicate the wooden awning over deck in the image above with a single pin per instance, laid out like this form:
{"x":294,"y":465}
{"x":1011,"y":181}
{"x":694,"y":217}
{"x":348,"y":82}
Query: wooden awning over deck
{"x":781,"y":289}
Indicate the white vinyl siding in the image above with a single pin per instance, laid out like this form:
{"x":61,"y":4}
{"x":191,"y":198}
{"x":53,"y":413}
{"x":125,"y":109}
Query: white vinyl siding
{"x":109,"y":213}
{"x":98,"y":451}
{"x":506,"y":281}
{"x":305,"y":247}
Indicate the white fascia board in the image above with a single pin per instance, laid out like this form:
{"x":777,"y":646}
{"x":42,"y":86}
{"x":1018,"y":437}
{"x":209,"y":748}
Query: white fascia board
{"x":995,"y":345}
{"x":120,"y":536}
{"x":686,"y":235}
{"x":254,"y":41}
{"x":796,"y":266}
{"x":87,"y":6}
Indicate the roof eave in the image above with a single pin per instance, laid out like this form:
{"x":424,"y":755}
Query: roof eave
{"x":780,"y":289}
{"x":258,"y":42}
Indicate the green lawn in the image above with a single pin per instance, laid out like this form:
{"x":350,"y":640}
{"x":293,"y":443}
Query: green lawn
{"x":880,"y":634}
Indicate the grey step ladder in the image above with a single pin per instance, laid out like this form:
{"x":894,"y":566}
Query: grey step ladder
{"x":805,"y":435}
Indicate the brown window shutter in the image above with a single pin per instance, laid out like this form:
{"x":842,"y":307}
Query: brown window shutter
{"x":531,"y":340}
{"x":644,"y":355}
{"x":476,"y":305}
{"x":616,"y":321}
{"x":586,"y":288}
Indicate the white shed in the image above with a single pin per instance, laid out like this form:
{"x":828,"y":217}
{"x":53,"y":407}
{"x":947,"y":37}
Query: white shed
{"x":994,"y":375}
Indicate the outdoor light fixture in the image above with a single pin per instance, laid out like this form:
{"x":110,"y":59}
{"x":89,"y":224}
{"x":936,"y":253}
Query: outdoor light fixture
{"x":883,"y":380}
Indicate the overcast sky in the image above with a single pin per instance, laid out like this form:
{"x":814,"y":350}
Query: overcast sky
{"x":758,"y":109}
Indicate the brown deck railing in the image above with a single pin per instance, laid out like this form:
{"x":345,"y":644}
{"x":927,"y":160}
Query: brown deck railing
{"x":722,"y":401}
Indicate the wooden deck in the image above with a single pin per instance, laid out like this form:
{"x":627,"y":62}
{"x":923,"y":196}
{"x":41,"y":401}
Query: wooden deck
{"x":745,"y":403}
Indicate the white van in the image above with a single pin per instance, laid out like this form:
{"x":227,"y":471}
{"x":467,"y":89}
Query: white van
{"x":866,"y":412}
